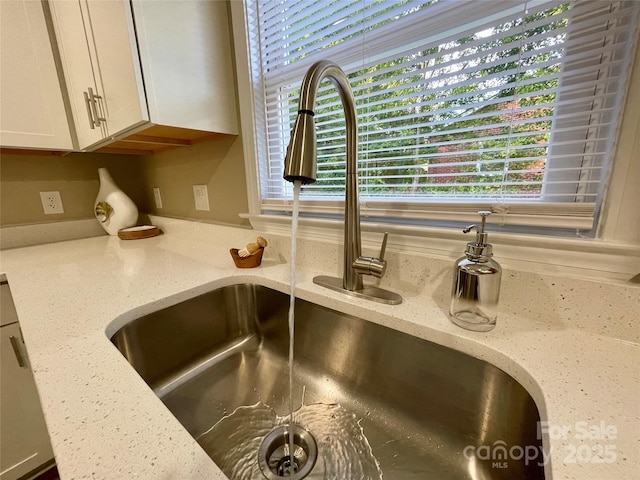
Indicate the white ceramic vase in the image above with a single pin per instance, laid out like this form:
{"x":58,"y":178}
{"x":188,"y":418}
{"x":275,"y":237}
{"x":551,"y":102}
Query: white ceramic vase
{"x":113,"y":208}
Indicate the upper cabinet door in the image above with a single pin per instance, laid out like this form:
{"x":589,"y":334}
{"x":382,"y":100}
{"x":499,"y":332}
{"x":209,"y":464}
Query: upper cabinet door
{"x":117,"y":66}
{"x":98,"y":52}
{"x":32,"y":113}
{"x":78,"y":70}
{"x":187,"y":61}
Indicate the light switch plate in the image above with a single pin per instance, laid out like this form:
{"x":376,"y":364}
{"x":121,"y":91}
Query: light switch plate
{"x":201,"y":197}
{"x":157,"y":197}
{"x":51,"y":203}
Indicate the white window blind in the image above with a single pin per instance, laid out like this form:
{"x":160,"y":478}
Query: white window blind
{"x":511,"y":106}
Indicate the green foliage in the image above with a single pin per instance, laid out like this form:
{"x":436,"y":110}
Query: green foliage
{"x":466,"y":118}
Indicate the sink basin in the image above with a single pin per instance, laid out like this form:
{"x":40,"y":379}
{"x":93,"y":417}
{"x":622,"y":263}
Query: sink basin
{"x":427,"y":411}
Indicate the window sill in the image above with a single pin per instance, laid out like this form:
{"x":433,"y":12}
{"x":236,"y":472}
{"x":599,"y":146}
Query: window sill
{"x":582,"y":258}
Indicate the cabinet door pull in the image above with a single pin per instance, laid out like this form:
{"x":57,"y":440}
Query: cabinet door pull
{"x":91,"y":102}
{"x":16,"y":350}
{"x":89,"y":114}
{"x":94,"y":107}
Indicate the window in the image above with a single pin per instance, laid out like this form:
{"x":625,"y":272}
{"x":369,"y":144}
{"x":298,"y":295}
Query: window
{"x":511,"y":107}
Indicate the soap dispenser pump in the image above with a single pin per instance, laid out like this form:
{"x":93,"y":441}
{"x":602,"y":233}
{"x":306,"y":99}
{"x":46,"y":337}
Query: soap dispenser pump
{"x":476,"y":283}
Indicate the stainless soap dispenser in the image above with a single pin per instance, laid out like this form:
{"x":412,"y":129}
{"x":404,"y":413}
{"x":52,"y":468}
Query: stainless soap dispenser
{"x":476,"y":284}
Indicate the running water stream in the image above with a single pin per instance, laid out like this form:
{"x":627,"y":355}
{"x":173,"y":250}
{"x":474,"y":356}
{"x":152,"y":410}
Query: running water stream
{"x":292,"y":303}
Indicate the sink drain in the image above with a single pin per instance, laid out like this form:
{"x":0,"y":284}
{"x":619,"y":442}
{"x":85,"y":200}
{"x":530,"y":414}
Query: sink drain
{"x":274,"y":458}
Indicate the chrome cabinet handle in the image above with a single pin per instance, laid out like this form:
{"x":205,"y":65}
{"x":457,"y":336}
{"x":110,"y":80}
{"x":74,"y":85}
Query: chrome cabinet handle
{"x":89,"y":114}
{"x":94,"y":105}
{"x":16,"y":350}
{"x":91,"y":102}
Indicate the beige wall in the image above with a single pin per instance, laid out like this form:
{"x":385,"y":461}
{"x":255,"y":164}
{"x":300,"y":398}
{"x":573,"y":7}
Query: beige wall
{"x":219,"y":164}
{"x":75,"y":176}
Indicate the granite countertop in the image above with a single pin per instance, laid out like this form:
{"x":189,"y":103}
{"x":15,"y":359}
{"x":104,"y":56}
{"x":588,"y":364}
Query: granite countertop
{"x":572,"y":344}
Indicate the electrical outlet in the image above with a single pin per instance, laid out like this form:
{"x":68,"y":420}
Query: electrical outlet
{"x":51,"y":203}
{"x":201,"y":197}
{"x":157,"y":197}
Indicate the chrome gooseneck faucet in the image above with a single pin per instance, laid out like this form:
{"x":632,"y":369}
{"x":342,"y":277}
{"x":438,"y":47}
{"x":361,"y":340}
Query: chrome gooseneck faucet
{"x":301,"y":165}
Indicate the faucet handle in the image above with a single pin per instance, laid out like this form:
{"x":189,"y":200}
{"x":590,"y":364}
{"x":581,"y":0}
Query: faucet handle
{"x":383,"y":248}
{"x":371,"y":265}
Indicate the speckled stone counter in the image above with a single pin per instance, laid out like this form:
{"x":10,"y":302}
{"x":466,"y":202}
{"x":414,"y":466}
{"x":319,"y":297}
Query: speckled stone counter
{"x":572,"y":344}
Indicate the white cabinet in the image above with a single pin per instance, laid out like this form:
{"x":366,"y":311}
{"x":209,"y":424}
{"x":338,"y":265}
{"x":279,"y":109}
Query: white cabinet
{"x":168,"y":75}
{"x":24,"y":442}
{"x":32,"y":110}
{"x":101,"y":67}
{"x":186,"y":55}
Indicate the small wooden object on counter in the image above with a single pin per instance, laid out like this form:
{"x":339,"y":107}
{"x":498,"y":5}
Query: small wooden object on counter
{"x":252,"y":248}
{"x":252,"y":261}
{"x":136,"y":233}
{"x":251,"y":255}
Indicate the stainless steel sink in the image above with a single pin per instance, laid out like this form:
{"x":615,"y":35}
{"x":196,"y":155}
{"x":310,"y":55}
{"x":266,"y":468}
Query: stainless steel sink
{"x":428,"y":411}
